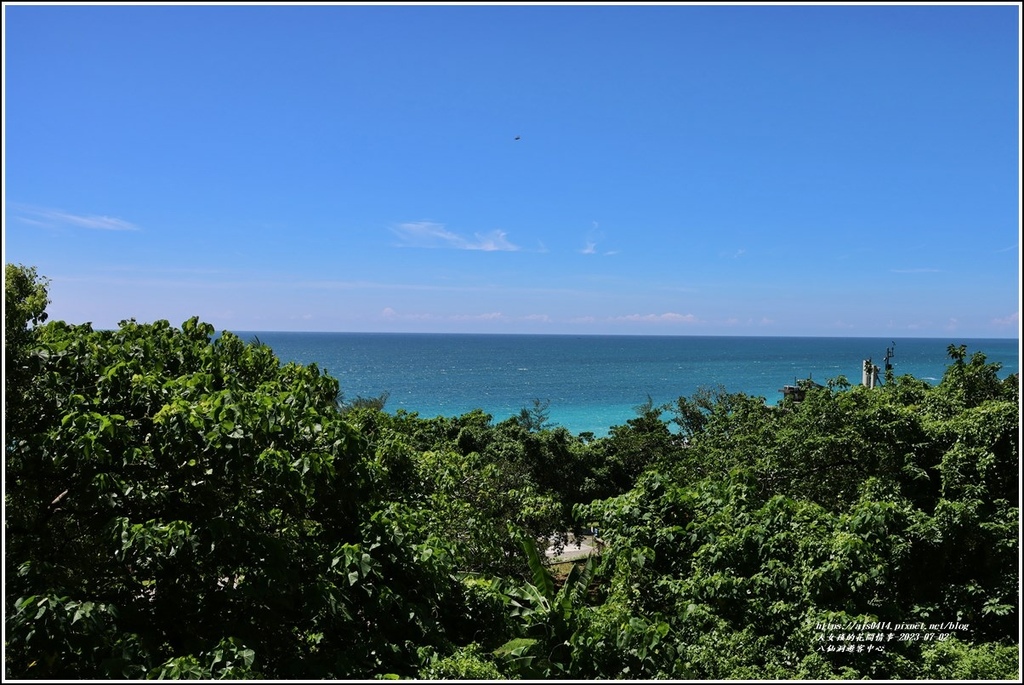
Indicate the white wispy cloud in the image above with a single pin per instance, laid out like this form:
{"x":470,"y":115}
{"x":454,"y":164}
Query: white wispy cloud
{"x":1008,"y":320}
{"x":390,"y":314}
{"x":750,"y":322}
{"x":495,"y":241}
{"x":56,"y":218}
{"x":591,"y":248}
{"x":434,"y":235}
{"x":667,"y":317}
{"x":593,"y":238}
{"x":486,"y":316}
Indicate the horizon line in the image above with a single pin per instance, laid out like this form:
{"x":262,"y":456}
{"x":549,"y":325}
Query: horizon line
{"x":619,"y":335}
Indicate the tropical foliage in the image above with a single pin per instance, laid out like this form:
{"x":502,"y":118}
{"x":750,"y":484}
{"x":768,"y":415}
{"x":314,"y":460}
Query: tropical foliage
{"x":180,"y":504}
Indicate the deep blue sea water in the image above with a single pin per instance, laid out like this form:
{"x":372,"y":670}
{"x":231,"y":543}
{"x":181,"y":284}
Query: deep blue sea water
{"x":595,"y":382}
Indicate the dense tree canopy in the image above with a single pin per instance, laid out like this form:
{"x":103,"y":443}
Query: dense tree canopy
{"x":179,"y":503}
{"x":25,"y":300}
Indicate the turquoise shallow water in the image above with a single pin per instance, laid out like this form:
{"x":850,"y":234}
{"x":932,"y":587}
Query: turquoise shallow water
{"x":595,"y":382}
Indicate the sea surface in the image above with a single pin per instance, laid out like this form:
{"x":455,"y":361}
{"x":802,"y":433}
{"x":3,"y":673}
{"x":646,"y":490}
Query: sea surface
{"x":595,"y":382}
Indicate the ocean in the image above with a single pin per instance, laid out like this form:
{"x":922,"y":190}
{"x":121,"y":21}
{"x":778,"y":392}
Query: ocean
{"x":594,"y":382}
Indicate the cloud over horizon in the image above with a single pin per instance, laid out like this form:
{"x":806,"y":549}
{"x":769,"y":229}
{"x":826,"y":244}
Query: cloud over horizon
{"x":667,"y":317}
{"x":1012,"y":319}
{"x":391,"y":314}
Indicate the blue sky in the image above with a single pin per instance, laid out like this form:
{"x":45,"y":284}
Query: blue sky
{"x":664,"y":169}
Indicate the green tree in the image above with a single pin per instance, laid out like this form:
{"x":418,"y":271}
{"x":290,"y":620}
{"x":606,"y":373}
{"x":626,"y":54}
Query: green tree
{"x":535,"y":417}
{"x":893,"y":504}
{"x":467,"y":663}
{"x":186,"y":505}
{"x":546,"y":616}
{"x":645,"y":441}
{"x":25,"y":300}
